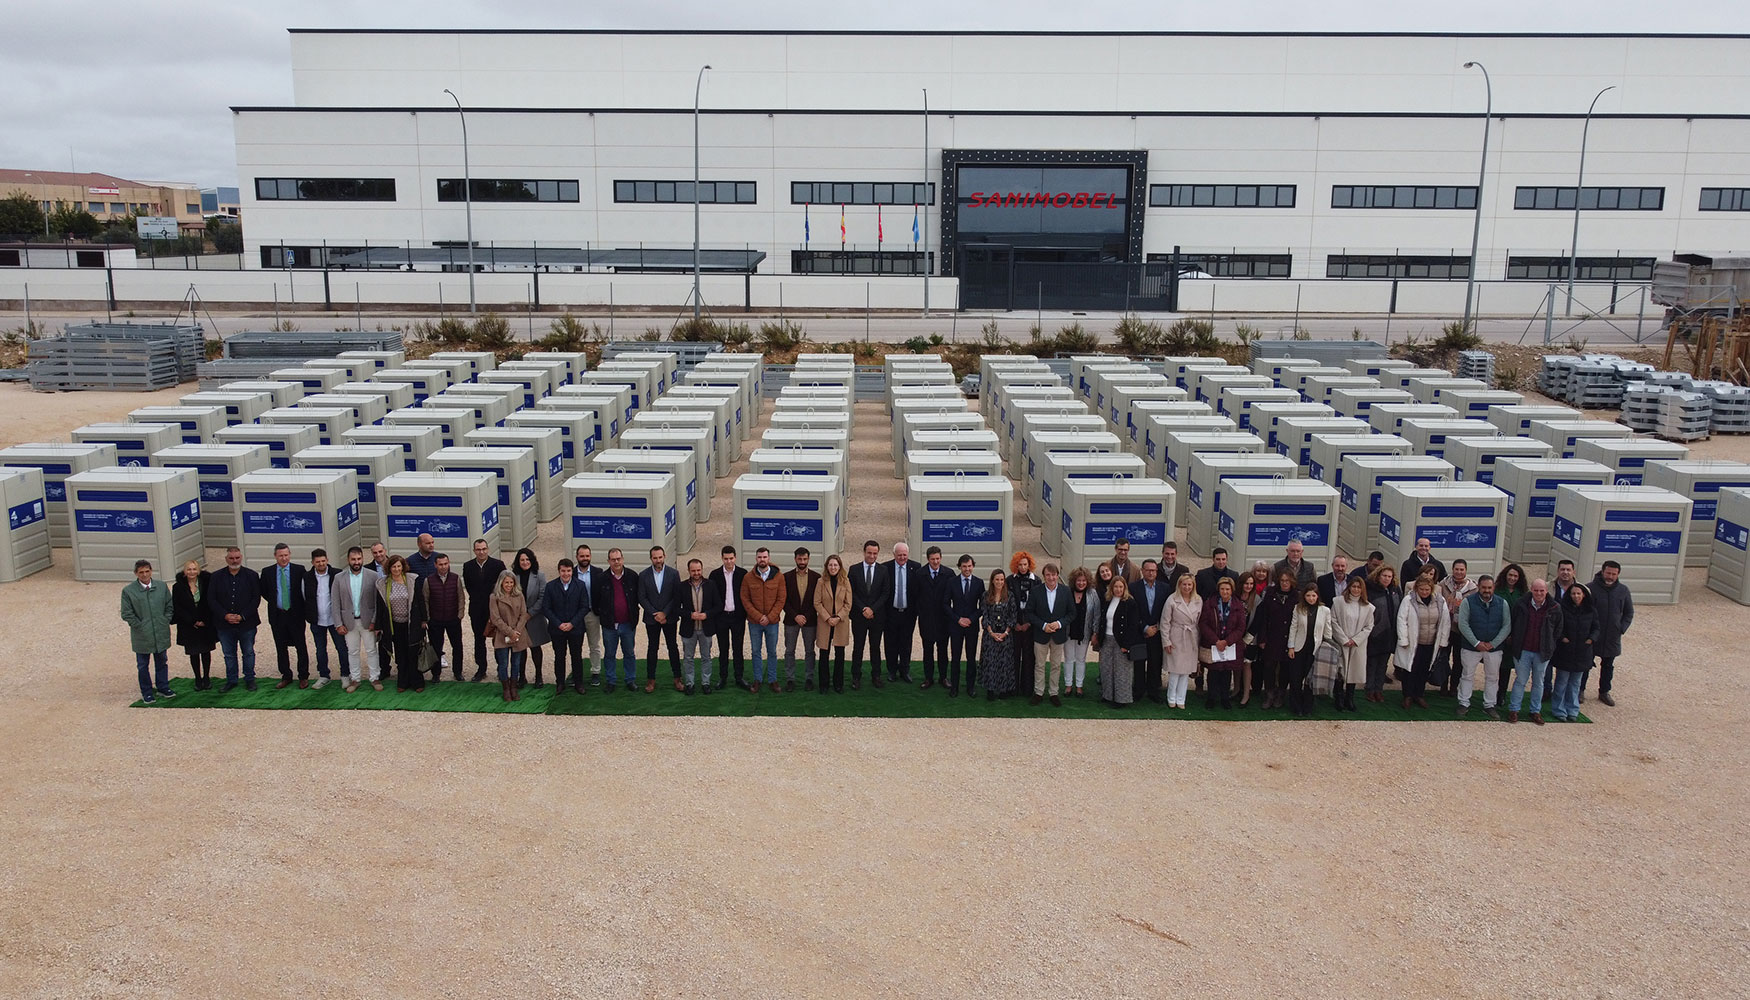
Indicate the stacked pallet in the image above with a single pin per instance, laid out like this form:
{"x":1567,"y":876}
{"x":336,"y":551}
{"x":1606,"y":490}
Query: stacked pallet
{"x":1731,"y":406}
{"x":1684,"y":415}
{"x":1640,"y":406}
{"x":1479,"y":365}
{"x":130,"y":357}
{"x":302,"y":345}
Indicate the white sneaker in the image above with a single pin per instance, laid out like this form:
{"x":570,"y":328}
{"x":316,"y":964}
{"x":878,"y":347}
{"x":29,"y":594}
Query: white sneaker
{"x":445,"y":660}
{"x":321,"y":682}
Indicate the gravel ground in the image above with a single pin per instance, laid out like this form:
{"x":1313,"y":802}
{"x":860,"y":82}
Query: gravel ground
{"x":267,"y":854}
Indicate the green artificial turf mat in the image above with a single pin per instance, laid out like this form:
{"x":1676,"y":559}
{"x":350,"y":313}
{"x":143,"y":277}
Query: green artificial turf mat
{"x":894,"y":701}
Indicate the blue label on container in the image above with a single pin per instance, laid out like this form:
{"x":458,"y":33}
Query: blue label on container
{"x":1291,"y":510}
{"x":489,"y":518}
{"x":296,"y":522}
{"x":584,"y":502}
{"x":668,"y":521}
{"x":435,"y":525}
{"x":216,"y":491}
{"x":1459,"y":536}
{"x":126,"y":521}
{"x":1138,"y":532}
{"x":504,"y":494}
{"x":1172,"y":469}
{"x":555,"y":466}
{"x":418,"y":500}
{"x":1704,"y":510}
{"x":1388,"y":527}
{"x":1643,"y":516}
{"x":1045,"y":493}
{"x":29,"y":512}
{"x":783,"y":529}
{"x":1566,"y":531}
{"x":1450,"y":512}
{"x":1512,"y":500}
{"x":1305,"y":455}
{"x":610,"y":526}
{"x":1149,"y":443}
{"x":1628,"y":479}
{"x":1732,"y":533}
{"x":962,"y":530}
{"x":1196,"y":494}
{"x":1542,"y":507}
{"x":347,"y":514}
{"x":1281,"y":534}
{"x":962,"y":505}
{"x":1115,"y":507}
{"x":565,"y":448}
{"x":269,"y":496}
{"x":528,"y":489}
{"x":1484,"y":475}
{"x":781,"y":503}
{"x":1281,"y":445}
{"x":1317,"y":470}
{"x":1224,"y":523}
{"x":1640,"y":541}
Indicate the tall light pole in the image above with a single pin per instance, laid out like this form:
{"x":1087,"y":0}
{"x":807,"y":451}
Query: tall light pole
{"x":1579,"y":188}
{"x":45,"y":203}
{"x":1482,"y":168}
{"x":697,"y":85}
{"x":467,"y":195}
{"x":926,"y":210}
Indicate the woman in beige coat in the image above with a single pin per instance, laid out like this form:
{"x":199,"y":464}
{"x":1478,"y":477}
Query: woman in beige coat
{"x":1351,"y":625}
{"x":508,"y":611}
{"x":832,"y":613}
{"x":1179,"y":621}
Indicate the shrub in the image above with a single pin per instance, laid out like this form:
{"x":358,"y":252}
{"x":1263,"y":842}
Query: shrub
{"x":491,"y":332}
{"x":1457,"y":336}
{"x":992,"y":336}
{"x":1138,"y":336}
{"x":1245,"y":333}
{"x":782,"y":335}
{"x":568,"y":334}
{"x":1075,"y":340}
{"x":917,"y":345}
{"x":1302,"y":333}
{"x":448,"y":331}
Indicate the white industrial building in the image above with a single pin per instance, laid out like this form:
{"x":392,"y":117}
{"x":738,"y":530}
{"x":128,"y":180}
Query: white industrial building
{"x":1279,"y":165}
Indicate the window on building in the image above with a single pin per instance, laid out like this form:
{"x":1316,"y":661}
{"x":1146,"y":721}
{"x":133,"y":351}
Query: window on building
{"x":325,"y":189}
{"x":94,"y":207}
{"x":1601,"y":199}
{"x":1231,"y":265}
{"x":1221,"y":195}
{"x":489,"y":189}
{"x":1403,"y":196}
{"x":88,"y":258}
{"x":11,"y":258}
{"x":681,"y":192}
{"x":861,"y":193}
{"x":1725,"y":199}
{"x":192,"y":208}
{"x":1589,"y":268}
{"x":118,"y":208}
{"x":859,"y":261}
{"x":1417,"y":267}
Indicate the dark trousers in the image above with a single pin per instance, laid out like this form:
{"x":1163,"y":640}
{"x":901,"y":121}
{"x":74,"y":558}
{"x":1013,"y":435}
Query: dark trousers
{"x":933,"y":630}
{"x":1220,"y":692}
{"x":1148,"y":673}
{"x":1023,"y":658}
{"x":962,"y":641}
{"x":862,"y":629}
{"x":838,"y":668}
{"x":405,"y":644}
{"x":897,"y":637}
{"x":1416,"y":684}
{"x":1509,"y":656}
{"x":477,"y":622}
{"x":1300,"y":693}
{"x":201,"y":663}
{"x":438,"y":631}
{"x":1606,"y":671}
{"x":1378,"y":662}
{"x":730,"y":636}
{"x":288,"y":634}
{"x":654,"y":635}
{"x":565,"y":645}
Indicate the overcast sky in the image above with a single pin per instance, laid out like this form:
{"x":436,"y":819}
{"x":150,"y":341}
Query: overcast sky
{"x":143,"y":90}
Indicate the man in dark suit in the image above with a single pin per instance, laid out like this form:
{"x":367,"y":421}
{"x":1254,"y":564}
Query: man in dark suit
{"x":730,"y":618}
{"x":1210,"y":575}
{"x":282,"y":589}
{"x":1150,"y":596}
{"x":1169,"y":569}
{"x":871,"y":589}
{"x":701,"y":599}
{"x":1419,"y":560}
{"x":479,"y":576}
{"x":566,"y":603}
{"x":616,"y":604}
{"x":1296,"y":565}
{"x":659,"y":591}
{"x":905,"y":600}
{"x":963,"y":601}
{"x":933,"y":617}
{"x":1332,"y":584}
{"x":800,"y":620}
{"x":319,"y":616}
{"x":1049,"y":610}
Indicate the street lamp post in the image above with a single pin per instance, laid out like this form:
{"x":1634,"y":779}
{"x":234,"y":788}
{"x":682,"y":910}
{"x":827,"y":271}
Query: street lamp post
{"x":45,"y":203}
{"x":925,"y":262}
{"x":1579,"y":188}
{"x":1482,"y":169}
{"x":697,"y":85}
{"x":467,"y":195}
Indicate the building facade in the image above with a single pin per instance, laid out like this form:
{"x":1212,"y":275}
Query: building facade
{"x":1072,"y":170}
{"x":107,"y":197}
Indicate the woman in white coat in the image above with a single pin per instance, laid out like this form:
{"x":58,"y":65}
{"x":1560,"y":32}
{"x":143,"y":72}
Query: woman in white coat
{"x":1424,"y":625}
{"x":1179,"y":619}
{"x":1309,"y":628}
{"x":1351,"y":624}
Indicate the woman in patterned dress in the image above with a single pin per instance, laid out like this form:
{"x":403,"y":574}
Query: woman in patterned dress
{"x":996,"y":668}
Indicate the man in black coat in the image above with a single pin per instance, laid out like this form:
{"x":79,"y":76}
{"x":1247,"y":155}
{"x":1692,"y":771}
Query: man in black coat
{"x":282,"y":589}
{"x":963,"y":600}
{"x":1331,"y":585}
{"x":566,"y":603}
{"x":905,"y":600}
{"x":1150,"y":595}
{"x":320,"y":616}
{"x":933,"y":617}
{"x":1419,"y":560}
{"x":871,"y":589}
{"x":479,"y":575}
{"x":617,"y":602}
{"x":730,"y":620}
{"x":1209,"y":576}
{"x":1049,"y":610}
{"x":234,"y":595}
{"x":659,"y":591}
{"x":701,"y":603}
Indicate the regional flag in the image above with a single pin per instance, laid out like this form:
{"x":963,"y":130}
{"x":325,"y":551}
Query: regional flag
{"x":804,"y":222}
{"x":914,"y":224}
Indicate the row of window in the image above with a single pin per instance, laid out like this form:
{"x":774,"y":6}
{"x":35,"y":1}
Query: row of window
{"x":1521,"y":268}
{"x":860,"y":262}
{"x":1395,"y":196}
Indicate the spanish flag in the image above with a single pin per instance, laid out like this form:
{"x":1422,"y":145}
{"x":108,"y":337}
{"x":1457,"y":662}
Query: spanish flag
{"x":841,"y":226}
{"x":880,"y":234}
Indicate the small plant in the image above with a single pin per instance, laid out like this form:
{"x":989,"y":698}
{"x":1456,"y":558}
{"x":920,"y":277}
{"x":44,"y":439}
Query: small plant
{"x":1457,"y":336}
{"x":130,"y":314}
{"x":864,"y":349}
{"x":784,"y":335}
{"x":1302,"y":333}
{"x":1076,"y":340}
{"x":492,"y":332}
{"x":1355,"y":334}
{"x":1186,"y":334}
{"x":213,"y":349}
{"x":917,"y":345}
{"x":936,"y":340}
{"x":1138,"y":336}
{"x":1509,"y":375}
{"x":280,"y":326}
{"x":567,"y":333}
{"x":447,"y":331}
{"x":992,"y":335}
{"x":1245,"y":333}
{"x":1577,"y":344}
{"x":1036,"y":335}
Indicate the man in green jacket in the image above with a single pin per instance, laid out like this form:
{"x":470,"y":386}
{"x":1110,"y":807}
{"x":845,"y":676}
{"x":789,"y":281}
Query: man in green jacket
{"x":146,"y":609}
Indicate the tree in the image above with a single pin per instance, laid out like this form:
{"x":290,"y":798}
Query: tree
{"x":227,"y":236}
{"x":20,"y":215}
{"x":67,"y":220}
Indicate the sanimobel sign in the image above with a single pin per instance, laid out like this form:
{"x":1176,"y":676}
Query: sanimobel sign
{"x":1046,"y":199}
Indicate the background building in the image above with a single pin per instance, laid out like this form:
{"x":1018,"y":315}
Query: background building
{"x":106,"y":196}
{"x":220,"y":201}
{"x":1063,"y":169}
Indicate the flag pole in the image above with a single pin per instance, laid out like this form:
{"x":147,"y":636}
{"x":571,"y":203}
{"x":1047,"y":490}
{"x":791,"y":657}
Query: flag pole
{"x":925,"y":263}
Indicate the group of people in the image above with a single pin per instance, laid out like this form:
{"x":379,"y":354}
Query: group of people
{"x":1279,"y":634}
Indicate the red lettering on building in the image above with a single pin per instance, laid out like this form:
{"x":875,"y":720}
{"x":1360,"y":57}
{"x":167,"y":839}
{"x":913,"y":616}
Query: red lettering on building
{"x":1050,"y":199}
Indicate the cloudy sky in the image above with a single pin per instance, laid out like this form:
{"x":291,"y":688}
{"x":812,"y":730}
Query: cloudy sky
{"x":143,"y":90}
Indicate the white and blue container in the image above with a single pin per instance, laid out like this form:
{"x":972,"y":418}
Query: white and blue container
{"x":1460,"y":520}
{"x":1629,"y":456}
{"x":1294,"y":434}
{"x":1093,"y":514}
{"x":1564,"y":435}
{"x":1363,"y":491}
{"x":1388,"y":418}
{"x":1728,"y":570}
{"x":1427,"y":436}
{"x":135,"y":444}
{"x":119,"y":515}
{"x":1473,"y":458}
{"x":1205,"y":487}
{"x":281,"y":440}
{"x":1175,"y":465}
{"x":1258,"y":519}
{"x":513,"y":470}
{"x":1530,"y":485}
{"x":414,"y":442}
{"x":422,"y":384}
{"x":330,"y":421}
{"x":280,"y":392}
{"x":215,"y":467}
{"x":1058,"y":468}
{"x":1705,"y":482}
{"x":239,"y":407}
{"x":304,"y":508}
{"x":366,"y":410}
{"x":58,"y":462}
{"x":1265,"y":417}
{"x":452,"y":422}
{"x":25,"y":548}
{"x":630,"y":511}
{"x":677,"y":465}
{"x":453,"y":507}
{"x":1643,"y":528}
{"x":547,"y":444}
{"x":786,"y":512}
{"x":394,"y":395}
{"x":198,"y":423}
{"x":370,"y":464}
{"x":1329,"y":450}
{"x":1515,"y":420}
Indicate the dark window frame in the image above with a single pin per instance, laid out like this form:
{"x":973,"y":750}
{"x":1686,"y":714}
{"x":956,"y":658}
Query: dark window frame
{"x":680,"y":192}
{"x":1551,"y":268}
{"x":510,"y":191}
{"x":1222,"y":195}
{"x":1410,"y":267}
{"x":1725,"y":199}
{"x":1560,"y":198}
{"x":325,"y":189}
{"x":861,"y":193}
{"x":1232,"y":265}
{"x":1412,"y":197}
{"x":860,"y":261}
